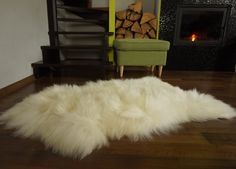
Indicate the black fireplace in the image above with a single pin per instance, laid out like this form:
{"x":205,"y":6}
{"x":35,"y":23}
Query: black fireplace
{"x":198,"y":24}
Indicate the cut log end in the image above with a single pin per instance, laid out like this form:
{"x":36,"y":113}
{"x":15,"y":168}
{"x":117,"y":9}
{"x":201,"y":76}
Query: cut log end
{"x":147,"y":16}
{"x":127,"y":24}
{"x":118,"y":23}
{"x":128,"y":34}
{"x":133,"y":23}
{"x":153,"y":23}
{"x":121,"y":31}
{"x":137,"y":6}
{"x":121,"y":14}
{"x":152,"y":34}
{"x":136,"y":28}
{"x":134,"y":16}
{"x":145,"y":28}
{"x":138,"y":36}
{"x":119,"y":36}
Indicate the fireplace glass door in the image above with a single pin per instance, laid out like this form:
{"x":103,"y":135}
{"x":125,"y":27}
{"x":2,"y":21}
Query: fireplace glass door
{"x":201,"y":25}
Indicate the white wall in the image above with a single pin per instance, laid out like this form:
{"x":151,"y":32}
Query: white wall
{"x":23,"y":29}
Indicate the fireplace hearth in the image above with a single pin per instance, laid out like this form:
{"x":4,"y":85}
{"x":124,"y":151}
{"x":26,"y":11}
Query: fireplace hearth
{"x":201,"y":24}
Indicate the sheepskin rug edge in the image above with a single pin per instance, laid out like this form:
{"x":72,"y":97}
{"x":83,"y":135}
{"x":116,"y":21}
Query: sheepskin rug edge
{"x":74,"y":120}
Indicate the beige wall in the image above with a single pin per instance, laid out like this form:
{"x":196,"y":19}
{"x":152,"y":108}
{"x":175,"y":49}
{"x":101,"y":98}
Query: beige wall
{"x":100,"y":3}
{"x":23,"y":29}
{"x":122,"y":4}
{"x":149,"y":6}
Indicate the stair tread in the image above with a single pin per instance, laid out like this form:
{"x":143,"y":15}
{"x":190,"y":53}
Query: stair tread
{"x":83,"y":47}
{"x":65,"y":63}
{"x":78,"y":32}
{"x":80,"y":20}
{"x":83,"y":10}
{"x":96,"y":47}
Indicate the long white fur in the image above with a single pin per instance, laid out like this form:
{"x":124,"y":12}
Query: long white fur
{"x":75,"y":120}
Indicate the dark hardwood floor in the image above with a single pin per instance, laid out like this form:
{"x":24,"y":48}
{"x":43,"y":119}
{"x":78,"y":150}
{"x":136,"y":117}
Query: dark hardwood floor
{"x":208,"y":145}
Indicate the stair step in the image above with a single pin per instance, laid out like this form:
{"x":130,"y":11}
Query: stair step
{"x":88,"y":33}
{"x":83,"y":10}
{"x":81,"y":20}
{"x":90,"y":47}
{"x":83,"y":62}
{"x":69,"y":63}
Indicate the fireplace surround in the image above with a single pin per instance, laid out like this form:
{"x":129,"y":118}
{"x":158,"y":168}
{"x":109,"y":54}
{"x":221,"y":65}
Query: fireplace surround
{"x":198,"y":57}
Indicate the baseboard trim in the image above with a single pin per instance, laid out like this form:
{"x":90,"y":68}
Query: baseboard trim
{"x":16,"y":86}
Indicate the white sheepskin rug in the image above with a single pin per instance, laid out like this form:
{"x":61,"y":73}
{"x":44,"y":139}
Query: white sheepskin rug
{"x":74,"y":120}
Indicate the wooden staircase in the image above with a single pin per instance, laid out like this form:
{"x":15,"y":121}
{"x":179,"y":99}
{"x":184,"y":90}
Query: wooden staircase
{"x":78,"y":40}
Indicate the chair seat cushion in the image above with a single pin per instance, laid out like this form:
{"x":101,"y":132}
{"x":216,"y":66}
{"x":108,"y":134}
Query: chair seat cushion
{"x":141,"y":58}
{"x":141,"y":45}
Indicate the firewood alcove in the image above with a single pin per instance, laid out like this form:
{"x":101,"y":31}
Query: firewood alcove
{"x":134,"y":23}
{"x":136,"y":36}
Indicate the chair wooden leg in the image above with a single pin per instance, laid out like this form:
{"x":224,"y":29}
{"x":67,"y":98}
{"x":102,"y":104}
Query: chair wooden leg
{"x":121,"y":71}
{"x":160,"y":70}
{"x":153,"y":68}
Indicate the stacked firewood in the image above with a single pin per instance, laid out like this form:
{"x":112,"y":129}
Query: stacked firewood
{"x":134,"y":23}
